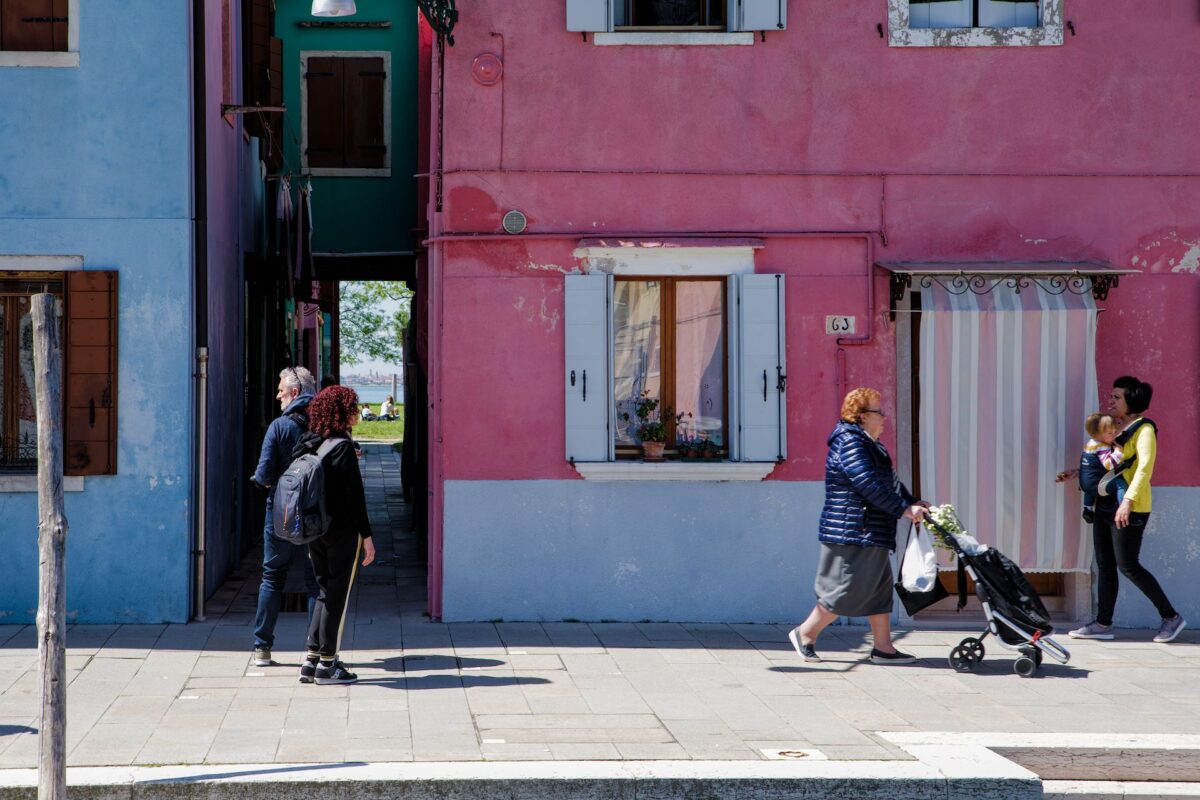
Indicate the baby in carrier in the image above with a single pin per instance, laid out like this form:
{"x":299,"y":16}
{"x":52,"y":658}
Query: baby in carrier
{"x":1099,"y":477}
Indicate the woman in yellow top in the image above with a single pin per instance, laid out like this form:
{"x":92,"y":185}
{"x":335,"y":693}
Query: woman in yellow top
{"x":1118,"y":535}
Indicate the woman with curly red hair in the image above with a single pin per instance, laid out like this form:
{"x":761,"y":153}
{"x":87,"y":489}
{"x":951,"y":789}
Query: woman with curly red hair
{"x":331,"y":415}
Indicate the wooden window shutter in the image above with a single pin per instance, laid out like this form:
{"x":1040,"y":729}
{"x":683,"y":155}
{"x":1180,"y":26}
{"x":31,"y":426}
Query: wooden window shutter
{"x":90,"y":373}
{"x":365,"y":81}
{"x":33,"y":25}
{"x":326,"y":142}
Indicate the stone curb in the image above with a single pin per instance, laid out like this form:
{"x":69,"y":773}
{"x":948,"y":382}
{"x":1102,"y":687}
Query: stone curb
{"x":579,"y":780}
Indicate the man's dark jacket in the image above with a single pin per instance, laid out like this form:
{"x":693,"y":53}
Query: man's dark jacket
{"x":861,"y":501}
{"x":282,"y":436}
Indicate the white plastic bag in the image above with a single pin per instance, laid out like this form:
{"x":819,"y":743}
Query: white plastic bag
{"x":918,"y":569}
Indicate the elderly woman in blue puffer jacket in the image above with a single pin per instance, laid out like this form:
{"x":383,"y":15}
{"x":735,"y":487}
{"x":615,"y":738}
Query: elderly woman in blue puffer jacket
{"x":863,"y":500}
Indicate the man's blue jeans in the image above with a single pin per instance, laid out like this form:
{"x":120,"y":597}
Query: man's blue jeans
{"x":277,"y":557}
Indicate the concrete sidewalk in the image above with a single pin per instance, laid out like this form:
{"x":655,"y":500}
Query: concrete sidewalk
{"x":570,"y":692}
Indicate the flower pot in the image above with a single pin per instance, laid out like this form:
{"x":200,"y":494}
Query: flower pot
{"x":653,"y":451}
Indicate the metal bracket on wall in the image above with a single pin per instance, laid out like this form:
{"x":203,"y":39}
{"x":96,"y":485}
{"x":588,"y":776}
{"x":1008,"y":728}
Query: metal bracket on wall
{"x":227,"y":108}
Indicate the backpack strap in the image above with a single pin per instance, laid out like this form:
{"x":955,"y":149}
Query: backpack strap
{"x":298,"y":417}
{"x":327,"y":446}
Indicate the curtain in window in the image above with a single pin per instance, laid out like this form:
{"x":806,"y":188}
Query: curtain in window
{"x":1005,"y":381}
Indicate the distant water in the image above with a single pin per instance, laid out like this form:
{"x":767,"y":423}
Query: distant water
{"x":377,"y":392}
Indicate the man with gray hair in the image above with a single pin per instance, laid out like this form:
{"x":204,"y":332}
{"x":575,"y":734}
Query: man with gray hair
{"x":297,"y":386}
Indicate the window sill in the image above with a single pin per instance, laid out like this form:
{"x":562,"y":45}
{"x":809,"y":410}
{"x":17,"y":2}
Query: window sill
{"x":674,"y":471}
{"x":13,"y":58}
{"x":673,"y":38}
{"x":976,"y":37}
{"x":29,"y":483}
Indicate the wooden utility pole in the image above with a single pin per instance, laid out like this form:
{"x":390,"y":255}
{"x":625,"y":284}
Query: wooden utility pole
{"x":52,"y":545}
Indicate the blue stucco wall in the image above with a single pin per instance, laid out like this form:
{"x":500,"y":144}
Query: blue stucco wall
{"x":629,"y":551}
{"x":94,"y":161}
{"x":1171,"y":551}
{"x":698,"y":552}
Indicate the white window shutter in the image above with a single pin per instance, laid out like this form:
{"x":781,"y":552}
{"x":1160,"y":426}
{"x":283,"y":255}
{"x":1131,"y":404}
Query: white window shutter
{"x":588,"y":388}
{"x":762,"y":369}
{"x":758,"y":15}
{"x":733,"y":327}
{"x":589,"y":15}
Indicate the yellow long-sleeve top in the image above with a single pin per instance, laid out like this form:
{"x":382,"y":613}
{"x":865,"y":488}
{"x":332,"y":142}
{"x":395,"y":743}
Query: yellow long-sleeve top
{"x":1145,"y":444}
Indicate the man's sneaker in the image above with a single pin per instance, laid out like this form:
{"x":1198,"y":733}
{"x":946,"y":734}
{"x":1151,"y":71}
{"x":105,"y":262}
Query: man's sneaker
{"x":1093,"y":630}
{"x":308,"y":671}
{"x":1170,"y":629}
{"x":805,"y":651}
{"x":262,"y":657}
{"x":880,"y":657}
{"x":327,"y":674}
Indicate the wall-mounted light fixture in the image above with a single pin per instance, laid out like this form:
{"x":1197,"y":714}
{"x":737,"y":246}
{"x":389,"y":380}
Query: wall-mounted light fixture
{"x":333,"y":8}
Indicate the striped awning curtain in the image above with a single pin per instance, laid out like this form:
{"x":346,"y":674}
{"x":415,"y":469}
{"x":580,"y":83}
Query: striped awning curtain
{"x":1005,"y":382}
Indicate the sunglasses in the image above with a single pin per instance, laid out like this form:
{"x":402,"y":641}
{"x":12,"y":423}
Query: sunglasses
{"x":878,"y":411}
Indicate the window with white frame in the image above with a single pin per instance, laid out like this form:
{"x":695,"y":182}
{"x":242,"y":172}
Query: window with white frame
{"x":709,"y":349}
{"x":974,"y":23}
{"x":39,"y":33}
{"x":680,"y":17}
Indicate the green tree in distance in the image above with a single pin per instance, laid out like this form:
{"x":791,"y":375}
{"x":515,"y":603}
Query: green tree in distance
{"x":372,"y":326}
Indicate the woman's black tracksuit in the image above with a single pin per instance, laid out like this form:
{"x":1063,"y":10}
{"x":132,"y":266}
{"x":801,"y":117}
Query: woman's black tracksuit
{"x":335,"y":555}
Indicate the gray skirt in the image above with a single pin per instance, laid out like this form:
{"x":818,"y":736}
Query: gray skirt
{"x":854,"y":581}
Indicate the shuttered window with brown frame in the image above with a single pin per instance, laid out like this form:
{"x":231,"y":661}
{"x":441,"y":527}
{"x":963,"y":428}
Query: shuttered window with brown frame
{"x":90,"y":379}
{"x":33,"y":25}
{"x":345,"y":113}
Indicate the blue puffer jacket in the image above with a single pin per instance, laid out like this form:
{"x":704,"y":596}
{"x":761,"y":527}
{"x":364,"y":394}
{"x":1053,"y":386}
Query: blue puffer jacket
{"x":861,"y":503}
{"x":282,"y":435}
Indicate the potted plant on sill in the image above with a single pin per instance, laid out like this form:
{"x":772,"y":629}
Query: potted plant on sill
{"x":699,"y":449}
{"x":651,"y":429}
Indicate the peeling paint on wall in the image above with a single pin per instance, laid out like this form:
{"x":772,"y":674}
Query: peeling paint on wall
{"x":1168,"y":252}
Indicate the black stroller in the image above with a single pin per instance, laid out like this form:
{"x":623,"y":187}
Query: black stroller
{"x":1015,"y":614}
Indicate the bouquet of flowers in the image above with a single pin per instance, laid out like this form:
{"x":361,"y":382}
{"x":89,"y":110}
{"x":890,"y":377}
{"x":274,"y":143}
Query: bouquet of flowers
{"x":947,"y":520}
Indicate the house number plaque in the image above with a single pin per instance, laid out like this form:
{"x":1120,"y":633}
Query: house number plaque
{"x":839,"y":326}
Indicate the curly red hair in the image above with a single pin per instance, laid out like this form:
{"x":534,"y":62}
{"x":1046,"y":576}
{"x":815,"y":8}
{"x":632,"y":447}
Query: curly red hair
{"x":857,"y":401}
{"x":332,"y":410}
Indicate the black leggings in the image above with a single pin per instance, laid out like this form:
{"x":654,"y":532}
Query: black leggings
{"x":335,"y":562}
{"x":1117,"y":549}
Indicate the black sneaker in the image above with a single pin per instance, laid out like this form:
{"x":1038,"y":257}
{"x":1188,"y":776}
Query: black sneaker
{"x":308,"y":671}
{"x":880,"y":657}
{"x":335,"y":673}
{"x":805,"y":651}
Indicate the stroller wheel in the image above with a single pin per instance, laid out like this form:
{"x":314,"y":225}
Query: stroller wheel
{"x":973,"y":648}
{"x":961,"y":661}
{"x":1025,"y":666}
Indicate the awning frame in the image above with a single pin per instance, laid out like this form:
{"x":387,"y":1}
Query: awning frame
{"x":981,"y":277}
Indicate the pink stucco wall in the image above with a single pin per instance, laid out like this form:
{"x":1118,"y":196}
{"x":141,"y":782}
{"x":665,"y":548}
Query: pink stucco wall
{"x":1084,"y":151}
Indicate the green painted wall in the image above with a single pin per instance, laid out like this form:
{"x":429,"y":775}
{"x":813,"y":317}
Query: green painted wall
{"x":358,"y":214}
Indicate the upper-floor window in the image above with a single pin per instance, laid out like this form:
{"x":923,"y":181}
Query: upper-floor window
{"x":675,"y":22}
{"x":974,"y":13}
{"x":39,"y":33}
{"x":660,"y":14}
{"x":34,"y":25}
{"x":346,"y":113}
{"x":974,"y":23}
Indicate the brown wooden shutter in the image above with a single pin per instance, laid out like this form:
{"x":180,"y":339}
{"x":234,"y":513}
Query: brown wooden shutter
{"x":364,"y":80}
{"x":33,"y":25}
{"x":326,"y":142}
{"x":90,"y":370}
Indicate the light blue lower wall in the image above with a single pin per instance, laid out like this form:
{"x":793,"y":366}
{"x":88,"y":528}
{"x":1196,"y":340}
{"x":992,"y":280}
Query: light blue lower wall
{"x":128,"y":550}
{"x":630,"y":551}
{"x":696,"y":552}
{"x":1171,"y":551}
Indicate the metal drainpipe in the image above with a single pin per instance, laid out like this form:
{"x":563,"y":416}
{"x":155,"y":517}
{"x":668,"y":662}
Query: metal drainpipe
{"x":200,"y":289}
{"x":201,"y":478}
